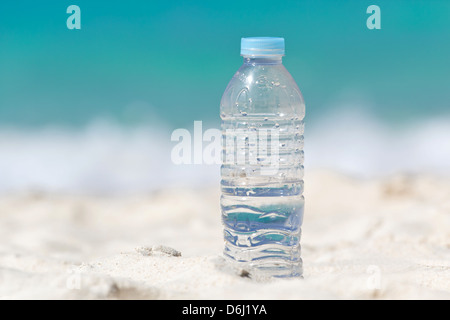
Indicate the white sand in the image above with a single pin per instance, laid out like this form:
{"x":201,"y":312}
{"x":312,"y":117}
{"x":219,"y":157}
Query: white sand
{"x":387,"y":239}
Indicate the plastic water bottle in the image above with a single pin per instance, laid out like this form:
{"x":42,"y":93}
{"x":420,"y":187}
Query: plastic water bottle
{"x":262,"y":201}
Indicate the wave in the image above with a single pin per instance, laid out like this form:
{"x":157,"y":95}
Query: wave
{"x":362,"y":145}
{"x":108,"y":158}
{"x":101,"y":158}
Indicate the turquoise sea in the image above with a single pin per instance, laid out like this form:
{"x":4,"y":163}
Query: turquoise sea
{"x":92,"y":109}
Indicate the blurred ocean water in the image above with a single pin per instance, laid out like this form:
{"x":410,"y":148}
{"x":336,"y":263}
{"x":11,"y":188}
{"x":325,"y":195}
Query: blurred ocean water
{"x":92,"y":110}
{"x":176,"y":58}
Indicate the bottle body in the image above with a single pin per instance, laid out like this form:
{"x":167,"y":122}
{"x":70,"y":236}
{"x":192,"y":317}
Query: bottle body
{"x":262,"y":112}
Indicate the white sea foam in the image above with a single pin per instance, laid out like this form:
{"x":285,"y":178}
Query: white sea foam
{"x":362,"y":145}
{"x":106,"y":158}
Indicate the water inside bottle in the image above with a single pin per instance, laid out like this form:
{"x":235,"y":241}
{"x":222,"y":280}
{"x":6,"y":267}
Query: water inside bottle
{"x":262,"y":202}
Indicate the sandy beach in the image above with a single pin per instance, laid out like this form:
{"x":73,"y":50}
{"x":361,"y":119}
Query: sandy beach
{"x":383,"y":238}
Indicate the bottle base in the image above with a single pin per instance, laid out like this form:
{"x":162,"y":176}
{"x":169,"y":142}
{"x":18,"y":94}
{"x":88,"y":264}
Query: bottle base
{"x":266,"y":266}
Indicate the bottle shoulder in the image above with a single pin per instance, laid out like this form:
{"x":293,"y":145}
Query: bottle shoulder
{"x":263,"y":89}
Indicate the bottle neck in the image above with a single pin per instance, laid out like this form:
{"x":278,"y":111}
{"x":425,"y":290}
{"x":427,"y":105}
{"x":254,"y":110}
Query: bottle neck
{"x":262,"y":60}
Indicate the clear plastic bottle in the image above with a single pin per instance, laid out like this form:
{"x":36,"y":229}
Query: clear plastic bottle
{"x":262,"y":201}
